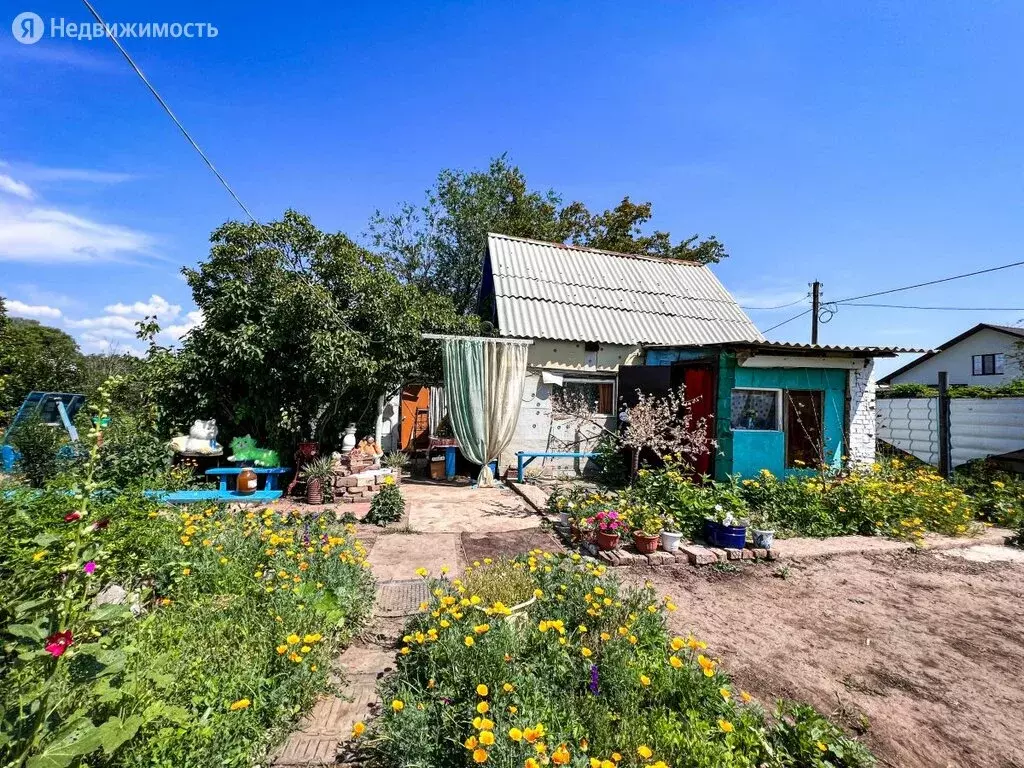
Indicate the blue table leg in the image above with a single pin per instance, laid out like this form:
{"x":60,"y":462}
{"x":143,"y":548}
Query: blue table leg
{"x":223,"y":482}
{"x":519,"y":473}
{"x":271,"y":483}
{"x":449,"y":462}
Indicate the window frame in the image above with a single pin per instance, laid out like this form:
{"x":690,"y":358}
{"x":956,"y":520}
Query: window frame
{"x":998,"y":360}
{"x":778,"y":409}
{"x":595,"y":380}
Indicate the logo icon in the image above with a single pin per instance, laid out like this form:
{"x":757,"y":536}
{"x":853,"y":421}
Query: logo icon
{"x":27,"y":27}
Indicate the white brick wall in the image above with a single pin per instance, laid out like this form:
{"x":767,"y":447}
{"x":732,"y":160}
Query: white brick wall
{"x":861,"y":449}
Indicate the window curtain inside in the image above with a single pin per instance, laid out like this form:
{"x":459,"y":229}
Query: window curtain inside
{"x":438,"y":409}
{"x":484,"y":382}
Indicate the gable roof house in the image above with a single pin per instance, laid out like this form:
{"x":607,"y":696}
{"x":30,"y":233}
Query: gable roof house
{"x":982,"y":355}
{"x":606,"y":324}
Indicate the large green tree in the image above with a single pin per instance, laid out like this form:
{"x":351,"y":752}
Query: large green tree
{"x":439,"y":244}
{"x":35,"y":357}
{"x":303,"y":330}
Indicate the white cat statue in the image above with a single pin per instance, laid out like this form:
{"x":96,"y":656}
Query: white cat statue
{"x":201,"y":440}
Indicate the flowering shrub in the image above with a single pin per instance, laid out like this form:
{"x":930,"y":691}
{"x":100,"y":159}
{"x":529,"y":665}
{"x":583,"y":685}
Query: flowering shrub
{"x":586,"y":675}
{"x":387,"y":506}
{"x":998,"y":494}
{"x":227,"y":623}
{"x":891,"y":500}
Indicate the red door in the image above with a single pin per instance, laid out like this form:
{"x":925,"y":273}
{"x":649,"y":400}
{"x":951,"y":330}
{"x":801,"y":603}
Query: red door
{"x":699,"y":384}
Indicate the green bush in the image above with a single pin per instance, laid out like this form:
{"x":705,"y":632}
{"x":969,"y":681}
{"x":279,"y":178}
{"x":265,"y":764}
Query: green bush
{"x":39,"y":445}
{"x":388,"y":506}
{"x":239,"y":614}
{"x":998,"y":494}
{"x":588,"y":674}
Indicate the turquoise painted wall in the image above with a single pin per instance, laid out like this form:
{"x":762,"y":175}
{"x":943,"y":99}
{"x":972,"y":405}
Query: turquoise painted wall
{"x":754,"y":451}
{"x":746,"y":453}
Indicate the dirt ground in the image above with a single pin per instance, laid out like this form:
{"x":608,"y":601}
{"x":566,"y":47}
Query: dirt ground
{"x":921,"y":654}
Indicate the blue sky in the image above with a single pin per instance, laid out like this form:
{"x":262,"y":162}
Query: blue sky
{"x":868,"y":145}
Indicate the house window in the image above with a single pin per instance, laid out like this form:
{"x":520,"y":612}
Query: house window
{"x":988,"y":365}
{"x":598,"y":394}
{"x":756,"y":409}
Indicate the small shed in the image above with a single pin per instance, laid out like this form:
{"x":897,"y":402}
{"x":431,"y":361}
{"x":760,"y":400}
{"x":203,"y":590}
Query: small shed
{"x":785,"y":407}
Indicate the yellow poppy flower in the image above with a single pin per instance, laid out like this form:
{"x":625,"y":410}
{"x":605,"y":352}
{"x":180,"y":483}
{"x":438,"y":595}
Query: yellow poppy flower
{"x":481,"y":690}
{"x":644,"y":751}
{"x":726,"y":726}
{"x":240,"y":704}
{"x":486,"y":738}
{"x":398,"y":705}
{"x":479,"y":756}
{"x":358,"y":729}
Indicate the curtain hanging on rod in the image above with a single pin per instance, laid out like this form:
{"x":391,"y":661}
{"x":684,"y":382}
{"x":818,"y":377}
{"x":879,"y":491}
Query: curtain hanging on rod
{"x":483,"y":380}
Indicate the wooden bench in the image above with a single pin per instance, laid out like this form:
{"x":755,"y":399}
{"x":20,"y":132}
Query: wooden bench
{"x":525,"y":457}
{"x":271,"y":473}
{"x":215,"y":497}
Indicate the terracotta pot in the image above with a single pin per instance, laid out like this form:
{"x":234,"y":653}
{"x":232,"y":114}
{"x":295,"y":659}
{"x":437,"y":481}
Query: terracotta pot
{"x":606,"y":541}
{"x":645,"y":544}
{"x":314,"y":492}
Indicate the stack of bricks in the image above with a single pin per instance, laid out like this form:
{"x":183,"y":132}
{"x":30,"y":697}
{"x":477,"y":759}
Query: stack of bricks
{"x":687,"y":554}
{"x":357,"y":477}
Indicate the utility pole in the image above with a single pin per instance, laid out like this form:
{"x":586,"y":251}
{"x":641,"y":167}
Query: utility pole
{"x":815,"y":310}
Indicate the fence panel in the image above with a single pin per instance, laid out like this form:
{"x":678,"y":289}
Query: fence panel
{"x":978,"y":427}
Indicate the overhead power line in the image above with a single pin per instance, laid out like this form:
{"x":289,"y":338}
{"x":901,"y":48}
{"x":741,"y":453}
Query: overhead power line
{"x":947,"y":309}
{"x":171,"y":114}
{"x":780,"y":306}
{"x":794,"y":317}
{"x":929,"y":282}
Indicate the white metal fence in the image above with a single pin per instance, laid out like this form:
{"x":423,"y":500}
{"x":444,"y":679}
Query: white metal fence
{"x":978,"y":428}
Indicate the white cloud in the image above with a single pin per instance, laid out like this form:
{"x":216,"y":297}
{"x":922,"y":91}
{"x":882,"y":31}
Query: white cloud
{"x":14,"y":187}
{"x":106,"y":322}
{"x":108,"y":343}
{"x":39,"y":311}
{"x":47,"y":235}
{"x":88,"y":175}
{"x":192,"y":319}
{"x":157,"y":305}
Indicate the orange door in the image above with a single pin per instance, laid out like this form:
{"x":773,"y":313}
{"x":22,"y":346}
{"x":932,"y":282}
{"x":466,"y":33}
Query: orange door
{"x":414,"y":423}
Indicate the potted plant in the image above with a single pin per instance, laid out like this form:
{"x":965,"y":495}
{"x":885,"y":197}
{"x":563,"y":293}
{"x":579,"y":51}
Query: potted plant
{"x":762,"y":530}
{"x":671,"y":536}
{"x":726,"y":525}
{"x":396,"y":461}
{"x":647,"y":532}
{"x":317,"y":475}
{"x":608,"y":525}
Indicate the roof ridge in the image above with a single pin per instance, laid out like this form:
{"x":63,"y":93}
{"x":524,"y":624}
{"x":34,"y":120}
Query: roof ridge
{"x":602,"y":251}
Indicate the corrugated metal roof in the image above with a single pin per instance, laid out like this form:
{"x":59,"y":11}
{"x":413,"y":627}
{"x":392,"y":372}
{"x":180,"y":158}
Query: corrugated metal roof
{"x":794,"y":346}
{"x":553,"y":291}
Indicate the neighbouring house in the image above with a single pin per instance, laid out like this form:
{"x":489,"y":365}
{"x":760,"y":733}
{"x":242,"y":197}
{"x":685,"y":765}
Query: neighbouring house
{"x":606,"y":324}
{"x":984,"y":355}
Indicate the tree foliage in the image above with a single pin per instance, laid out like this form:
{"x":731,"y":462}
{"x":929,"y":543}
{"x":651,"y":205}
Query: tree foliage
{"x":439,"y":244}
{"x":303,"y":331}
{"x":35,"y":357}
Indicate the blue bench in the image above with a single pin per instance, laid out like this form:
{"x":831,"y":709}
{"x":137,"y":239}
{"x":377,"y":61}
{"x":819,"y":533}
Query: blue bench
{"x":215,"y":497}
{"x":525,"y":457}
{"x":271,"y":473}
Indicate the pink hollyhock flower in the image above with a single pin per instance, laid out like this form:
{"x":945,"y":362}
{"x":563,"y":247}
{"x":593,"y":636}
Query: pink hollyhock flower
{"x":89,"y":567}
{"x":59,"y":642}
{"x":71,"y":517}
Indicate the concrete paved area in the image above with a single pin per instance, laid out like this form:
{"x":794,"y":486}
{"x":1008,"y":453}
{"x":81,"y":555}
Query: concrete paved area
{"x":987,"y":553}
{"x":450,"y":508}
{"x":396,"y":556}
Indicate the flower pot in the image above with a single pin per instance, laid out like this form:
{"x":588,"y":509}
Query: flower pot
{"x":644,"y":543}
{"x":670,"y":540}
{"x":725,"y":536}
{"x":314,"y":492}
{"x":606,"y":541}
{"x":763,"y":539}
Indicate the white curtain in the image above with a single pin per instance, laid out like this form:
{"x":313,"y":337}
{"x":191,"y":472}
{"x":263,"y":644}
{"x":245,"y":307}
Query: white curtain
{"x":484,"y":380}
{"x":438,"y":409}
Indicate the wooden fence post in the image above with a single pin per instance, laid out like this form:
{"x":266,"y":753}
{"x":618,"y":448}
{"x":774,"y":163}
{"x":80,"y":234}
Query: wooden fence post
{"x":945,"y":443}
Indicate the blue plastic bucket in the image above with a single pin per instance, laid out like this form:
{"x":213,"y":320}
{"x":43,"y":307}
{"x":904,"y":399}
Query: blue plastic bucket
{"x":725,"y":536}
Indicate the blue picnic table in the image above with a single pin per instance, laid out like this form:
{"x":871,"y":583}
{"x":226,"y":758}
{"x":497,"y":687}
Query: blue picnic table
{"x":525,"y":457}
{"x":224,"y":494}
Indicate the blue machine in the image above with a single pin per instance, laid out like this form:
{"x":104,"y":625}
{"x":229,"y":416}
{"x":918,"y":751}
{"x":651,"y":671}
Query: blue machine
{"x":56,"y":409}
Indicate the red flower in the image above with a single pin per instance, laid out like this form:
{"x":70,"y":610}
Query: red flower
{"x":59,"y":642}
{"x":71,"y":517}
{"x":101,"y":524}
